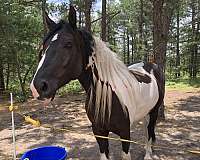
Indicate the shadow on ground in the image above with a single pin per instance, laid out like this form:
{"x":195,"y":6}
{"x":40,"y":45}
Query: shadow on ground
{"x":179,"y":133}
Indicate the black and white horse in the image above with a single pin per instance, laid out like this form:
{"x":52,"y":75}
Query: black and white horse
{"x":117,"y":96}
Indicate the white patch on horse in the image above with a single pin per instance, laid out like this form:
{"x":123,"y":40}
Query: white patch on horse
{"x":138,"y":98}
{"x":136,"y":65}
{"x":55,"y":37}
{"x":148,"y":143}
{"x":148,"y":154}
{"x":126,"y":156}
{"x":32,"y":87}
{"x":103,"y":156}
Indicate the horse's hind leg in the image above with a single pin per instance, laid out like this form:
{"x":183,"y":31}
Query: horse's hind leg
{"x":148,"y":140}
{"x":149,"y":128}
{"x":103,"y":143}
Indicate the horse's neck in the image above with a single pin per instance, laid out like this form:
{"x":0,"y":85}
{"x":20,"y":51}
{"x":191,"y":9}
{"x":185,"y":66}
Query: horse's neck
{"x":85,"y":79}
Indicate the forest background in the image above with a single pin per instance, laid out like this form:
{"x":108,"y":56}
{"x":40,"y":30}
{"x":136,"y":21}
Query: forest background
{"x":165,"y":31}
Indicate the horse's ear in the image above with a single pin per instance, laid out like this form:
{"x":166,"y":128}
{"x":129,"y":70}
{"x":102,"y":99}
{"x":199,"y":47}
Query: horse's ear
{"x":49,"y":23}
{"x":72,"y":17}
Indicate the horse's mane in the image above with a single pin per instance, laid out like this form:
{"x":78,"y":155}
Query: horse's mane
{"x":113,"y":76}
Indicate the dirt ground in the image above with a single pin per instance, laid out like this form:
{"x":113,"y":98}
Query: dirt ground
{"x":179,"y":133}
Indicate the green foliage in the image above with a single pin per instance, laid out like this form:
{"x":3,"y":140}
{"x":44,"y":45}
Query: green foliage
{"x":21,"y":31}
{"x":189,"y":39}
{"x":18,"y":94}
{"x":72,"y":87}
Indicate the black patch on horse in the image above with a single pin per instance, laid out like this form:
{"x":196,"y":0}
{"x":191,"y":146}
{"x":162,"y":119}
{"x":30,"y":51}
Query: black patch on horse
{"x":141,"y":77}
{"x":149,"y":66}
{"x":88,"y":46}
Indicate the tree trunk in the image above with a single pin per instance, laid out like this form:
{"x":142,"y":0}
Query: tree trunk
{"x":146,"y":53}
{"x":197,"y":57}
{"x":141,"y":31}
{"x":162,"y":13}
{"x":132,"y":46}
{"x":196,"y":36}
{"x":8,"y":76}
{"x":128,"y":48}
{"x":103,"y":22}
{"x":19,"y":76}
{"x":114,"y":43}
{"x":192,"y":50}
{"x":136,"y":55}
{"x":88,"y":6}
{"x":124,"y":45}
{"x":177,"y":46}
{"x":2,"y":84}
{"x":43,"y":16}
{"x":141,"y":21}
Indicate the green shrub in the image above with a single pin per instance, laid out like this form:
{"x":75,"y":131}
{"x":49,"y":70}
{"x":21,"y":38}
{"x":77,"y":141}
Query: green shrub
{"x":72,"y":87}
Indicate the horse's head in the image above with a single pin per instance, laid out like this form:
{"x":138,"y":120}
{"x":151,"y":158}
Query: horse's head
{"x":61,"y":57}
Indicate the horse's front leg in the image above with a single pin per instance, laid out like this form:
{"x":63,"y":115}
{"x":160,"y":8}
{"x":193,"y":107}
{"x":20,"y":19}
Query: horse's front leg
{"x":125,"y":145}
{"x":103,"y":143}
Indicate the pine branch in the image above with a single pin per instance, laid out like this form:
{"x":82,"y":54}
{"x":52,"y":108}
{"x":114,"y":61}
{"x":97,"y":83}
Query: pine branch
{"x":110,"y":16}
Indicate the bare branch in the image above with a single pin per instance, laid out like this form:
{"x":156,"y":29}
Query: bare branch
{"x":110,"y":16}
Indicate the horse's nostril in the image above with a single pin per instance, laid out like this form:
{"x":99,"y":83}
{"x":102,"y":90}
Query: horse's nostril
{"x":44,"y":86}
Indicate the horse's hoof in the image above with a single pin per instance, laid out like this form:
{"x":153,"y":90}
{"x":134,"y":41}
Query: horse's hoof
{"x":148,"y":157}
{"x":155,"y":157}
{"x":126,"y":156}
{"x":103,"y":156}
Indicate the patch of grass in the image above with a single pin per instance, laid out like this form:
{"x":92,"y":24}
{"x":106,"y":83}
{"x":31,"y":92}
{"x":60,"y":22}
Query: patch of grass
{"x":72,"y":87}
{"x":183,"y":84}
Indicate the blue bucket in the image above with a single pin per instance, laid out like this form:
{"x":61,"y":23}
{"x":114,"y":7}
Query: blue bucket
{"x":46,"y":153}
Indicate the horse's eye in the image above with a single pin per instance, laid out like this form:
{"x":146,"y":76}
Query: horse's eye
{"x":68,"y":45}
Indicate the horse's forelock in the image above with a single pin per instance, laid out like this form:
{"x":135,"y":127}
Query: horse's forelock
{"x":52,"y":32}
